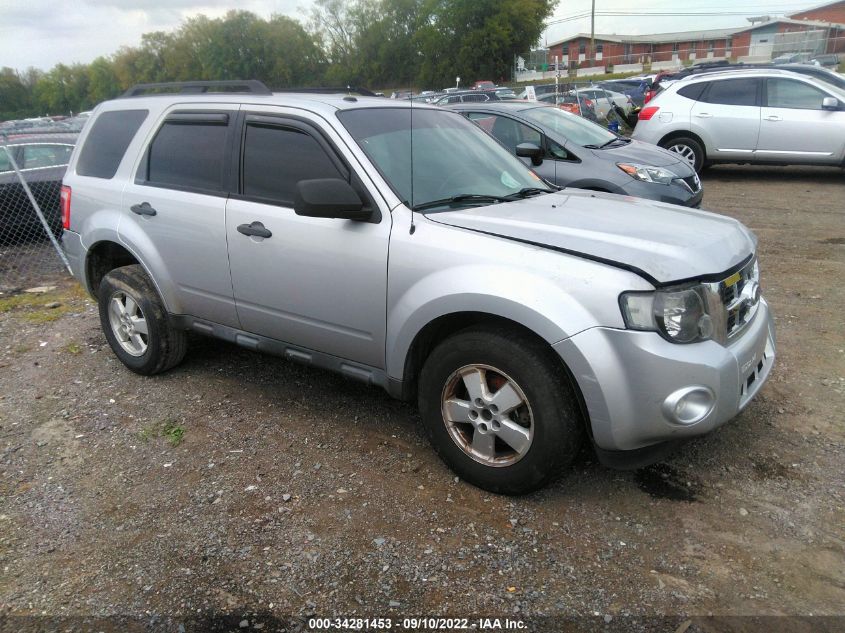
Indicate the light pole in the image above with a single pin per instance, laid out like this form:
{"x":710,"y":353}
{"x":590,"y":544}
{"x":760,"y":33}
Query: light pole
{"x":593,"y":32}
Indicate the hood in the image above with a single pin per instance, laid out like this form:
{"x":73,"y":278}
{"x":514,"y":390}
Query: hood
{"x":644,"y":154}
{"x":661,"y":242}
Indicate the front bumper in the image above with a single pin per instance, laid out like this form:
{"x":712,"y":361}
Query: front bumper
{"x":627,"y":377}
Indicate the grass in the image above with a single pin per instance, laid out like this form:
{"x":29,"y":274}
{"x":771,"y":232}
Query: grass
{"x":73,"y":348}
{"x":31,"y":307}
{"x":170,"y":430}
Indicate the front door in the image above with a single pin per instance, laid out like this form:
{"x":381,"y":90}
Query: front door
{"x":727,"y":116}
{"x":317,"y":283}
{"x":795,"y":128}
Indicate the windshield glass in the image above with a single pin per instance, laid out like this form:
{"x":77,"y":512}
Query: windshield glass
{"x":572,"y":127}
{"x":450,"y":155}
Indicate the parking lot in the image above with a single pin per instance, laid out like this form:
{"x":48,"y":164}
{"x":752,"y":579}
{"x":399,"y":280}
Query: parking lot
{"x":239,"y":484}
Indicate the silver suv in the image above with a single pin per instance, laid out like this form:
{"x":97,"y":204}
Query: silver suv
{"x":402,"y":246}
{"x":748,"y":116}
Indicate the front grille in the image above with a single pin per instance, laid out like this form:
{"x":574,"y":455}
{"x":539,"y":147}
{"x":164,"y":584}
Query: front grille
{"x":739,"y":296}
{"x":735,"y":300}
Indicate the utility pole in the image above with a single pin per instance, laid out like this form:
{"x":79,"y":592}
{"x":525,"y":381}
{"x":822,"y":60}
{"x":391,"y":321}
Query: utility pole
{"x":593,"y":33}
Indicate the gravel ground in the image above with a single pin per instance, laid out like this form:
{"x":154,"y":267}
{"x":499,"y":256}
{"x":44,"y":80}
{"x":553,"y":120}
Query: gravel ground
{"x":241,"y":491}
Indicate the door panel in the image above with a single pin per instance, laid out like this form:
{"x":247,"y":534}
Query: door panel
{"x":794,"y":126}
{"x":187,"y":232}
{"x":727,"y":116}
{"x":319,"y":283}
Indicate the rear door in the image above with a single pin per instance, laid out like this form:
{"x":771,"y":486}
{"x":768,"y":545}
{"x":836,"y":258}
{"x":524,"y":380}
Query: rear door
{"x":177,"y":205}
{"x":794,"y":126}
{"x":318,"y":283}
{"x":727,"y":117}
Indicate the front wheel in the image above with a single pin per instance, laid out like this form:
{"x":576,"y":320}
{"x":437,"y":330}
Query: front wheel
{"x":687,"y":148}
{"x":499,"y":409}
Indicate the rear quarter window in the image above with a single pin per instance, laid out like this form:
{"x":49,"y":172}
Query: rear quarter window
{"x":693,"y":91}
{"x":107,"y":142}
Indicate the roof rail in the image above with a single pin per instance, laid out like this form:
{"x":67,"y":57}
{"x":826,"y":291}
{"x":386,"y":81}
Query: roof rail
{"x":364,"y":92}
{"x":252,"y":86}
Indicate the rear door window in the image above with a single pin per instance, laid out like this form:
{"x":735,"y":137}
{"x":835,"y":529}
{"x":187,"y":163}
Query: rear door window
{"x":188,"y":152}
{"x":44,"y":155}
{"x":739,"y":92}
{"x":107,"y":142}
{"x":693,"y":91}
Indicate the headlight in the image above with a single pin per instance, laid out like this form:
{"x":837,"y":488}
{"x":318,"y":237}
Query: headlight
{"x":679,"y":315}
{"x":646,"y":173}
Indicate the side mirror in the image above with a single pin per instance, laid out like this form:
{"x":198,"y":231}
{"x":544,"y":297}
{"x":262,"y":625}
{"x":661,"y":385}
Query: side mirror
{"x":532,"y":151}
{"x":830,"y":103}
{"x":329,"y":198}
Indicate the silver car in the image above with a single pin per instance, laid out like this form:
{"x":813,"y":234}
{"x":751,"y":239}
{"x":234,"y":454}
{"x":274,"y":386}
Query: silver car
{"x":401,"y":246}
{"x":751,"y":116}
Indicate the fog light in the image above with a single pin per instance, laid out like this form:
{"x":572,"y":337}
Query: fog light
{"x":689,"y":405}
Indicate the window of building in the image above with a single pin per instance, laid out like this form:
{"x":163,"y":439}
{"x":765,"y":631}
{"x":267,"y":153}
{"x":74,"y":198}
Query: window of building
{"x":187,"y":152}
{"x":276,"y":158}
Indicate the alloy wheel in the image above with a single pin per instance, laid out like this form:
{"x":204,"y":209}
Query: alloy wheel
{"x":128,"y":324}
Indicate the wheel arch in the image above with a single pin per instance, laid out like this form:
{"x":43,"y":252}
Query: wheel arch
{"x":684,"y":133}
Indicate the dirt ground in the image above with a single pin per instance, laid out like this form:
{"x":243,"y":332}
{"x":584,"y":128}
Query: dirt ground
{"x":244,"y":492}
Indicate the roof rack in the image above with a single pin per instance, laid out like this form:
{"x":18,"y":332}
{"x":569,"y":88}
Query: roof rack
{"x":252,"y":86}
{"x":364,"y":92}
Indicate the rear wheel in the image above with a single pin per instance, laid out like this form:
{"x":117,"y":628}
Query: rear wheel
{"x":687,"y":148}
{"x":135,"y":322}
{"x":499,"y":409}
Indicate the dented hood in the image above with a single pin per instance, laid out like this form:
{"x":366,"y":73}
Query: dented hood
{"x":661,"y":242}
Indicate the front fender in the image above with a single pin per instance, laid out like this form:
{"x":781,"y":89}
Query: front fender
{"x":535,"y":302}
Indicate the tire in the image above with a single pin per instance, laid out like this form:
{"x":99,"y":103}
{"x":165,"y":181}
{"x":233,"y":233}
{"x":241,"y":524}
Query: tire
{"x":129,"y":304}
{"x":688,"y":148}
{"x":512,"y":365}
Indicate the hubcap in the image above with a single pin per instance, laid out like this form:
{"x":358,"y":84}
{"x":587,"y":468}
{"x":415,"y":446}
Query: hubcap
{"x":487,"y":415}
{"x":685,"y":152}
{"x":128,"y":324}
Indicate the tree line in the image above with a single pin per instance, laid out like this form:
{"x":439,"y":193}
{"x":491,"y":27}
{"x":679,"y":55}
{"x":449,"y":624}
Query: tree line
{"x":371,"y":43}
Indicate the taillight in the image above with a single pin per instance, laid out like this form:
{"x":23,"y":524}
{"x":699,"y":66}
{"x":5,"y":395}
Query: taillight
{"x":647,"y":113}
{"x":65,"y":206}
{"x":649,"y":95}
{"x":588,"y":103}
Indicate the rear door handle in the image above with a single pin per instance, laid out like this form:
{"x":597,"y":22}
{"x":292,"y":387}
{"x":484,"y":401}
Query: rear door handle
{"x":773,"y":117}
{"x":704,"y":115}
{"x":143,"y":209}
{"x":255,"y":229}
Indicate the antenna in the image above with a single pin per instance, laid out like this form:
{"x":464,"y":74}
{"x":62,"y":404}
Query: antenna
{"x":413,"y":226}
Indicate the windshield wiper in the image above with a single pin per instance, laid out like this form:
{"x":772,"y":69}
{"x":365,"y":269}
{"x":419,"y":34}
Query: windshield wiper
{"x":525,"y":192}
{"x":462,"y":197}
{"x":615,"y":140}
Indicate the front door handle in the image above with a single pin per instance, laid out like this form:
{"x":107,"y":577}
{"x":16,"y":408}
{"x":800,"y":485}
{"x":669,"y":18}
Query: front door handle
{"x":255,"y":229}
{"x":143,"y":209}
{"x":773,"y":117}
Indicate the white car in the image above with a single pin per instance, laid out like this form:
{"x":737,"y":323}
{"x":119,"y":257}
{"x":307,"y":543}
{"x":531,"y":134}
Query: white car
{"x":603,"y":100}
{"x":749,"y":116}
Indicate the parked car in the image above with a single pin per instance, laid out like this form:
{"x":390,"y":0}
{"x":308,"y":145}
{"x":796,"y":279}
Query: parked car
{"x":523,"y":320}
{"x":572,"y":103}
{"x":828,"y":60}
{"x":604,"y":100}
{"x":764,"y":116}
{"x":835,"y":79}
{"x":484,"y":85}
{"x":42,"y":160}
{"x":573,"y":152}
{"x":470,"y":96}
{"x":791,"y":58}
{"x":633,"y":89}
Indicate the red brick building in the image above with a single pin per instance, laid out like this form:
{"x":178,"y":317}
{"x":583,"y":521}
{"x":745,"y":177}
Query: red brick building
{"x":817,"y":30}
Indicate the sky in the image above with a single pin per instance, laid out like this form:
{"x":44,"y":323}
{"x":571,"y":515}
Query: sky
{"x":42,"y":33}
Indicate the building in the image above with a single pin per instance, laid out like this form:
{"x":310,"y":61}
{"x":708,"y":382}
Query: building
{"x":812,"y":31}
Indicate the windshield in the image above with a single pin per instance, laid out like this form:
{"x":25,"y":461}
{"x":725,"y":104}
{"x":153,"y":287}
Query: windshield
{"x":572,"y":127}
{"x":450,"y":155}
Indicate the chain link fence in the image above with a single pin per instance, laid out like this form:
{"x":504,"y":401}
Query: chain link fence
{"x":31,"y":169}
